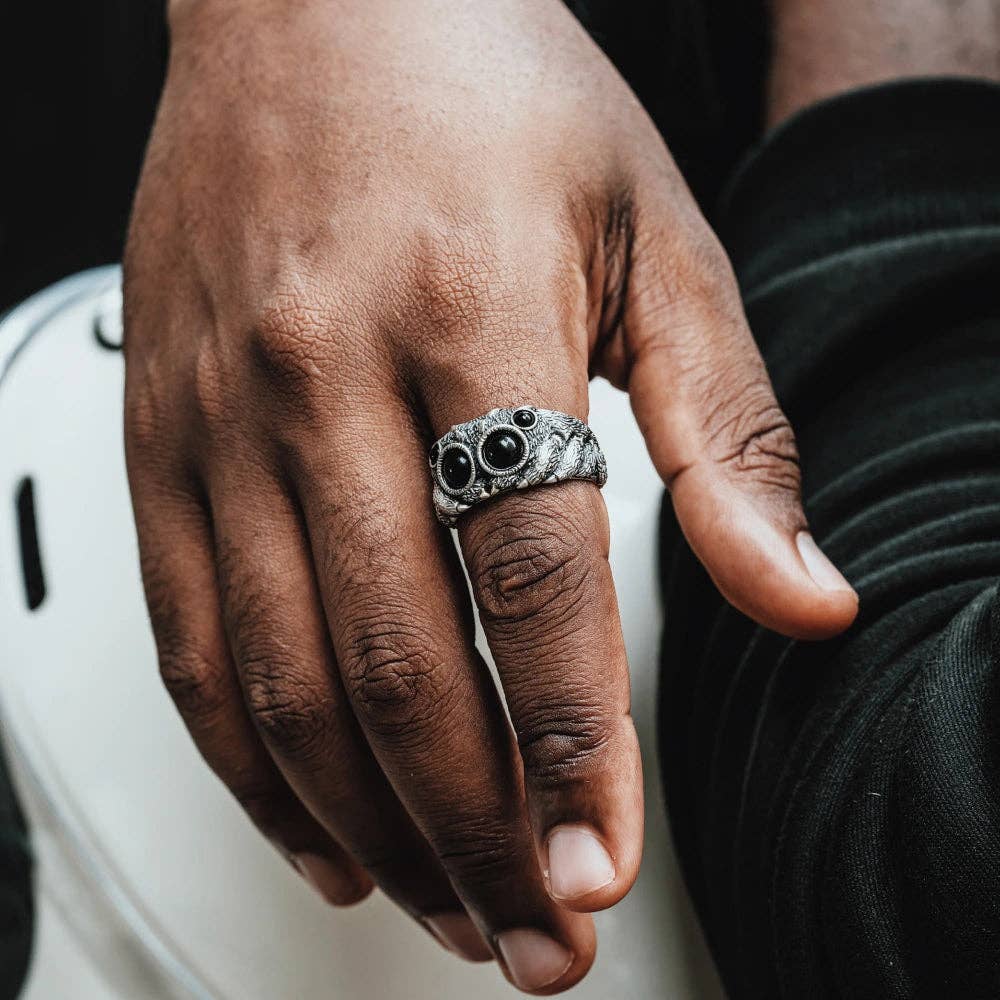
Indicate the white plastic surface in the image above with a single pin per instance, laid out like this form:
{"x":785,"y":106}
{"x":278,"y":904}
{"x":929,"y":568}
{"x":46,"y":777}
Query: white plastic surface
{"x":150,"y":875}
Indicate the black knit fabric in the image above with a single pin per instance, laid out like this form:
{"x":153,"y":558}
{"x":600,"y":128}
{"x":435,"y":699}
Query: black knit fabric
{"x":836,"y":805}
{"x":17,"y":909}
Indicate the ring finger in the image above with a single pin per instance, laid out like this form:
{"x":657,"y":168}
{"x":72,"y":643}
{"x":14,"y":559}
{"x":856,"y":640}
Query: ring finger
{"x":292,"y":687}
{"x":178,"y":569}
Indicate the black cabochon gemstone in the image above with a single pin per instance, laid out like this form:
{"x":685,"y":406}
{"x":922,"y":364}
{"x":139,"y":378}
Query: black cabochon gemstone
{"x":502,"y":449}
{"x":456,"y":468}
{"x":435,"y":451}
{"x":524,"y":418}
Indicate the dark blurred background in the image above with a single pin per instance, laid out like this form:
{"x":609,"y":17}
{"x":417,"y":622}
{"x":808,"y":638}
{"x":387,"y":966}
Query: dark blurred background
{"x":81,"y":81}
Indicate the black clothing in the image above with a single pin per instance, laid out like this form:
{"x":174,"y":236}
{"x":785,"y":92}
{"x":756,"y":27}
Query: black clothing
{"x":79,"y":88}
{"x":698,"y":66}
{"x":17,"y":910}
{"x":837,"y":805}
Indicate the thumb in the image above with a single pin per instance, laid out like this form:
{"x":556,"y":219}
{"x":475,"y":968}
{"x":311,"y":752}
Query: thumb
{"x":720,"y":441}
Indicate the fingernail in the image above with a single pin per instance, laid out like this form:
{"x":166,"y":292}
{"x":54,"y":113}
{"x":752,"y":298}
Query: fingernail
{"x":825,"y":575}
{"x":578,"y":862}
{"x":533,"y":959}
{"x":459,"y":934}
{"x":328,"y":880}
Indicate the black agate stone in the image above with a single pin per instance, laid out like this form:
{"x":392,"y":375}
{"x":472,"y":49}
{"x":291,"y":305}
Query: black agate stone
{"x":456,"y":468}
{"x":524,"y":418}
{"x":502,"y":449}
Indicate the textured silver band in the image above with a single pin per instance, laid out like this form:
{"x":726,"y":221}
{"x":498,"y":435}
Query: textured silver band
{"x":510,"y":449}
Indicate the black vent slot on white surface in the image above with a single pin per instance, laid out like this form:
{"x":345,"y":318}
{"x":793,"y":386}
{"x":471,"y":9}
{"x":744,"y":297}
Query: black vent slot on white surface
{"x":31,"y":556}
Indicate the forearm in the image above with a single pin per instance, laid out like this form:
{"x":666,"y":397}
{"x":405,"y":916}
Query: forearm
{"x":824,"y":47}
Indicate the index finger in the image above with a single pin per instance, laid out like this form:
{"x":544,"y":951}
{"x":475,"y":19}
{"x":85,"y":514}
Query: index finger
{"x":538,"y":563}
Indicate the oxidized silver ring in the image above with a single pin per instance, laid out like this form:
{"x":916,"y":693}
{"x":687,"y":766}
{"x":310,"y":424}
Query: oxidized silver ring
{"x":510,"y":449}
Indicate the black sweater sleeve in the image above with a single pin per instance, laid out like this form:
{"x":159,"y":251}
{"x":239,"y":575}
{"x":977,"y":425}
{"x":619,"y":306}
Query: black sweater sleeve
{"x":836,"y":805}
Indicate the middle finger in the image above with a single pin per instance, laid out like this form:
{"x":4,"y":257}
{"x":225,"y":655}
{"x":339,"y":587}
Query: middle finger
{"x":399,"y":615}
{"x":279,"y":642}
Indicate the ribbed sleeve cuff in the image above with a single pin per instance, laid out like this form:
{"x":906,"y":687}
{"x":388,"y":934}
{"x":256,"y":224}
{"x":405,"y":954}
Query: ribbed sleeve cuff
{"x":871,"y":165}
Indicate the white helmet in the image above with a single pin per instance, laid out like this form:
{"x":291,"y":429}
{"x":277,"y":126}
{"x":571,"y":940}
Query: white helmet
{"x":152,"y":882}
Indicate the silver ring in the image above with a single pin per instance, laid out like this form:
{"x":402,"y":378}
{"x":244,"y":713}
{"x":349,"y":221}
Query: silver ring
{"x":510,"y":449}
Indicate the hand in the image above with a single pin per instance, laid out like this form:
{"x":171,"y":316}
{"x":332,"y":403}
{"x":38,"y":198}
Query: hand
{"x":357,"y":225}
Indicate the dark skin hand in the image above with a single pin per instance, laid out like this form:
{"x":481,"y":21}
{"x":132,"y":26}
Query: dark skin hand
{"x":358,"y":225}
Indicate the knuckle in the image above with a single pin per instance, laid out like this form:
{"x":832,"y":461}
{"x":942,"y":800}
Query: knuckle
{"x":287,"y":343}
{"x":390,"y":659}
{"x":470,"y":284}
{"x":753,"y":438}
{"x":394,"y":679}
{"x":482,"y":852}
{"x":142,"y":420}
{"x":152,"y":424}
{"x":197,"y":683}
{"x":534,"y":562}
{"x":291,"y":716}
{"x":208,"y":390}
{"x":558,"y":748}
{"x":770,"y":455}
{"x":460,"y":273}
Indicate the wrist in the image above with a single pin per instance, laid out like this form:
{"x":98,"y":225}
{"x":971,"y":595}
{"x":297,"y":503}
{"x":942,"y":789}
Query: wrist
{"x":196,"y":18}
{"x":824,"y":48}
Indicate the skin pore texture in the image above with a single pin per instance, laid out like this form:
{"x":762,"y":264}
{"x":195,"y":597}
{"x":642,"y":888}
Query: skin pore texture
{"x":357,"y":225}
{"x":824,"y":47}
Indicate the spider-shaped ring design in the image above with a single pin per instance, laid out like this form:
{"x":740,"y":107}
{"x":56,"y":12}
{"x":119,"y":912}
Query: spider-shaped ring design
{"x":510,"y":449}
